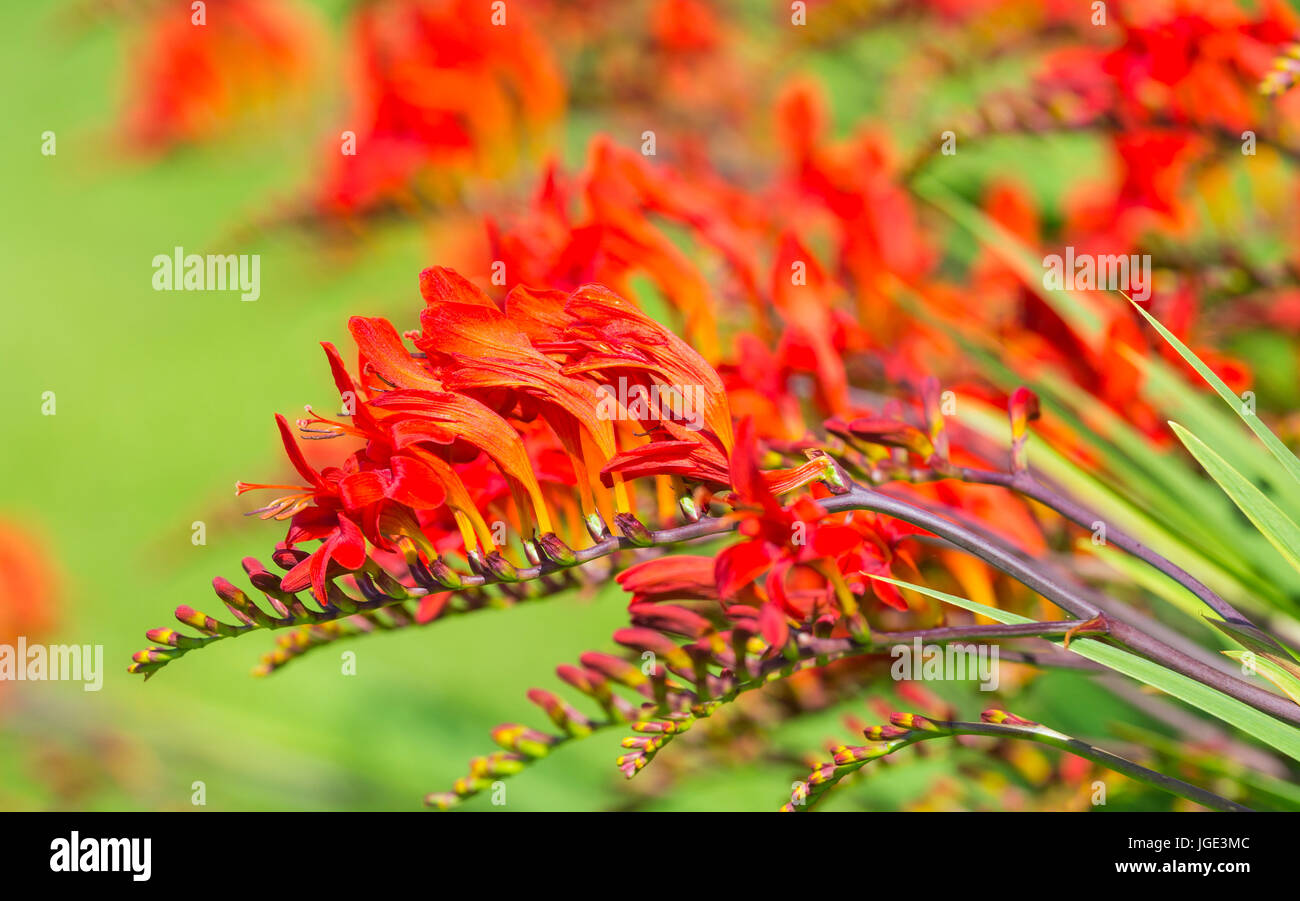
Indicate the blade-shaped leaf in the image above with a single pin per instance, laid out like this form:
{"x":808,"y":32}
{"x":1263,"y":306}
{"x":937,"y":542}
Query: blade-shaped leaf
{"x":1279,"y":735}
{"x":1253,"y":638}
{"x":1275,"y":525}
{"x":1284,"y":675}
{"x":1279,"y":450}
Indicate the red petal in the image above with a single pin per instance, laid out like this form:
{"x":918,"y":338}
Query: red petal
{"x":295,"y":453}
{"x":772,"y":624}
{"x":416,"y":484}
{"x":310,"y":524}
{"x":441,"y":285}
{"x":887,"y":593}
{"x":318,"y":563}
{"x":739,"y":565}
{"x":383,"y":349}
{"x":746,"y":477}
{"x":700,"y":462}
{"x":413,"y":431}
{"x":808,"y":510}
{"x":297,"y":578}
{"x":361,"y":489}
{"x":831,"y":541}
{"x":361,"y":416}
{"x":349,"y":546}
{"x":538,"y":313}
{"x":679,"y":577}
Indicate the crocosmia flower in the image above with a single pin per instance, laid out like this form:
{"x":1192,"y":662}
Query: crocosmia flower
{"x":202,"y":70}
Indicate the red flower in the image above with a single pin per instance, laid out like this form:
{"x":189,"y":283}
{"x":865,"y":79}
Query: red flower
{"x":442,"y":93}
{"x":478,"y":349}
{"x":191,"y":80}
{"x":680,"y":577}
{"x":611,"y":340}
{"x":335,"y":498}
{"x":28,"y":586}
{"x":782,"y":541}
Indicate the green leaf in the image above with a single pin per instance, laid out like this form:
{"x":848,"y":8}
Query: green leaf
{"x":1252,"y":638}
{"x":1163,"y":502}
{"x":1078,"y":310}
{"x":1288,"y":793}
{"x":1275,"y":733}
{"x":1279,"y":450}
{"x":1284,"y":675}
{"x":1122,"y":506}
{"x":1275,"y":525}
{"x":1205,"y":415}
{"x":1147,"y":577}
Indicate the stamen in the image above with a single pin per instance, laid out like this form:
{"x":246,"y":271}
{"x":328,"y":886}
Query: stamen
{"x":242,"y":487}
{"x":331,"y":428}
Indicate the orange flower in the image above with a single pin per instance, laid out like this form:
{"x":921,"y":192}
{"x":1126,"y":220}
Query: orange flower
{"x":442,"y":417}
{"x":477,"y":348}
{"x":614,"y":338}
{"x":27,"y":585}
{"x":443,"y":93}
{"x":410,"y":407}
{"x":617,"y":234}
{"x":191,"y":80}
{"x":680,"y":577}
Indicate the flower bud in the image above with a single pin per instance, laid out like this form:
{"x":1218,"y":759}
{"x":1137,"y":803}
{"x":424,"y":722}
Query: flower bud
{"x":633,"y":530}
{"x":1003,"y":718}
{"x":555,"y":550}
{"x":500,"y":568}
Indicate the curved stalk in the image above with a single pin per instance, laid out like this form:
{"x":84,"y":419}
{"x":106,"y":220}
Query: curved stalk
{"x":849,"y":495}
{"x":849,"y":759}
{"x":856,"y":497}
{"x":1025,"y":484}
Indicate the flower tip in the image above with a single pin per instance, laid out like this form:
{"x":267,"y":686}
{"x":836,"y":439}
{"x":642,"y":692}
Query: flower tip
{"x":201,"y":621}
{"x":1003,"y":718}
{"x":892,"y":434}
{"x":913,"y":721}
{"x":883,"y":733}
{"x":171,"y":638}
{"x":287,"y":557}
{"x":523,"y":740}
{"x":144,"y":669}
{"x":1024,"y":407}
{"x":596,"y":527}
{"x":227,"y":591}
{"x":690,"y":510}
{"x":441,"y":800}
